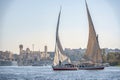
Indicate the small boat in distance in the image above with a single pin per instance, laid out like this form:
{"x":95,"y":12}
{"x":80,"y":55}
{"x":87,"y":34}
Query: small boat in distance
{"x":93,"y":55}
{"x":61,"y":61}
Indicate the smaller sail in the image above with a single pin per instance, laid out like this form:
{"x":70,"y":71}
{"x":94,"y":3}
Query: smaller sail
{"x":59,"y":53}
{"x":99,"y":55}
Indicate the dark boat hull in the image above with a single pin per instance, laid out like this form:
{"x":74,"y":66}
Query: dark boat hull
{"x":59,"y":68}
{"x":92,"y":68}
{"x":64,"y":69}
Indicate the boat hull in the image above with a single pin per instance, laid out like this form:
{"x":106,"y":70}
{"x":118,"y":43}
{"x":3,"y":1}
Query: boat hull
{"x":63,"y":68}
{"x":91,"y":68}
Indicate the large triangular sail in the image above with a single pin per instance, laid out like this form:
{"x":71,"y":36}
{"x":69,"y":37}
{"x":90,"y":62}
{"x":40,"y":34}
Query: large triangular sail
{"x":59,"y":53}
{"x":93,"y":52}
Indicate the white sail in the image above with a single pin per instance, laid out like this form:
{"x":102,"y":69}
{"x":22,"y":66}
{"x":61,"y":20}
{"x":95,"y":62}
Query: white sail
{"x":93,"y":51}
{"x":59,"y":53}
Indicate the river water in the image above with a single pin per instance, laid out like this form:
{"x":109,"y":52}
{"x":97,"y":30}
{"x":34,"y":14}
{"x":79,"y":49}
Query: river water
{"x":46,"y":73}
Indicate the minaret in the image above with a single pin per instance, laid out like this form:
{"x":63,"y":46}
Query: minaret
{"x":21,"y":55}
{"x":45,"y":49}
{"x":33,"y":47}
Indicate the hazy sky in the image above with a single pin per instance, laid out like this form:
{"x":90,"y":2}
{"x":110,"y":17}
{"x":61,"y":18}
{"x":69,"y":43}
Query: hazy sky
{"x":30,"y":22}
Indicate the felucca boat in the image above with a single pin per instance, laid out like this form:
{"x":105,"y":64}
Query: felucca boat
{"x":61,"y":61}
{"x":93,"y":55}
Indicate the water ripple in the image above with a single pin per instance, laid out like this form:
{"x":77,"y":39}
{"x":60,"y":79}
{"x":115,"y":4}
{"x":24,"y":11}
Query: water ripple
{"x":46,"y":73}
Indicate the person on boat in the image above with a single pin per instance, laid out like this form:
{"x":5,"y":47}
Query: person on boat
{"x":59,"y":62}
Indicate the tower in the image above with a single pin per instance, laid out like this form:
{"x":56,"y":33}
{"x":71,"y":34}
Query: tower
{"x":33,"y":48}
{"x":21,"y":48}
{"x":45,"y":49}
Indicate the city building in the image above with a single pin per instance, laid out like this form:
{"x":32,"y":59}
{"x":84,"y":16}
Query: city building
{"x":28,"y":57}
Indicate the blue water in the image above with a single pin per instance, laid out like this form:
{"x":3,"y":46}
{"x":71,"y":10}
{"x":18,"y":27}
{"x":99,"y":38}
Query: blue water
{"x":46,"y":73}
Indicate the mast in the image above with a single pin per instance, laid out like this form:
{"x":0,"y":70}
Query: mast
{"x":93,"y":48}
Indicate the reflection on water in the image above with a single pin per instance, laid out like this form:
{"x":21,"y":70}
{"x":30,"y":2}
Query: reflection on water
{"x":46,"y":73}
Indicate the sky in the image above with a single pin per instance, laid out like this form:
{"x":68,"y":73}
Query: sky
{"x":30,"y":22}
